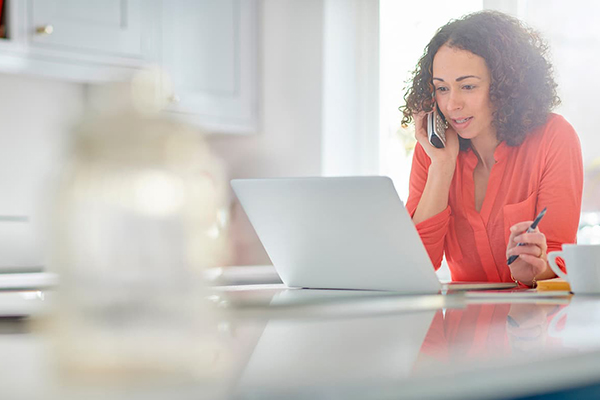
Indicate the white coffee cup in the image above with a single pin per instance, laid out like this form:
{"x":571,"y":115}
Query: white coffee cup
{"x":583,"y":267}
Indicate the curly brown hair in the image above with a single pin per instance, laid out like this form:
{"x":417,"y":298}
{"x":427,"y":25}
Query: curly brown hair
{"x":522,"y":90}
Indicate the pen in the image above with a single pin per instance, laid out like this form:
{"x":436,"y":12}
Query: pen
{"x":535,"y":223}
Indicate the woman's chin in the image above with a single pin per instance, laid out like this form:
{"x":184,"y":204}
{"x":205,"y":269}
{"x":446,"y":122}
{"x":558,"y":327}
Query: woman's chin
{"x":465,"y":135}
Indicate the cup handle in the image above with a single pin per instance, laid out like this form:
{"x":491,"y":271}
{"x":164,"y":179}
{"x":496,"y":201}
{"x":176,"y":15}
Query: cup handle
{"x":554,"y":267}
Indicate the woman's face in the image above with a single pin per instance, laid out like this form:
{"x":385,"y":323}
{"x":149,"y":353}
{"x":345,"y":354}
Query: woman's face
{"x":462,"y":91}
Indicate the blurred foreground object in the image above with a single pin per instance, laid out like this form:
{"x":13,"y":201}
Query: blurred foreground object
{"x":138,"y":216}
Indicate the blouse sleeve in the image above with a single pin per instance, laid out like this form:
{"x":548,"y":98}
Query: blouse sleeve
{"x":433,"y":230}
{"x":561,"y":185}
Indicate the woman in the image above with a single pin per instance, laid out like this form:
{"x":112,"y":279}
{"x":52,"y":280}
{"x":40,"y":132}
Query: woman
{"x":506,"y":156}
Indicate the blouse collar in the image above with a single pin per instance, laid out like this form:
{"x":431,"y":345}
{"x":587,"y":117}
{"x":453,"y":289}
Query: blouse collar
{"x":500,"y":154}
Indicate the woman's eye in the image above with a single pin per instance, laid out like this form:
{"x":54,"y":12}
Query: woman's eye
{"x":469,"y":87}
{"x":441,"y":89}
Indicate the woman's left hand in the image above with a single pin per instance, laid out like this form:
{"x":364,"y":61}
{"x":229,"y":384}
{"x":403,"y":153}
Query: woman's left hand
{"x":533,"y":258}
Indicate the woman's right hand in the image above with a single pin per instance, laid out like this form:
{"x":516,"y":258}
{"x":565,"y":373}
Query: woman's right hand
{"x":446,"y":156}
{"x":434,"y":198}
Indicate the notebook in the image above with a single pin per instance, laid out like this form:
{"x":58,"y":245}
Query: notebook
{"x":340,"y":233}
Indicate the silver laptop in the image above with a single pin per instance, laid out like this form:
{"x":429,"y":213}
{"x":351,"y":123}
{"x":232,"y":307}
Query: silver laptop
{"x":340,"y":233}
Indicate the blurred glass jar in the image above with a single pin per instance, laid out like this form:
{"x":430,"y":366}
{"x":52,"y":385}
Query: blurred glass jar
{"x":139,"y":213}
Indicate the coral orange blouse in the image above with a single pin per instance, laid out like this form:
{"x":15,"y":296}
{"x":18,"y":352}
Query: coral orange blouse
{"x":546,"y":170}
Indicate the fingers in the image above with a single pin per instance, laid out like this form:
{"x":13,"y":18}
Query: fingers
{"x":536,"y":238}
{"x":516,"y":230}
{"x":520,"y":227}
{"x":532,"y":246}
{"x":420,"y":127}
{"x":420,"y":119}
{"x":530,"y":249}
{"x":527,"y":262}
{"x":519,"y":234}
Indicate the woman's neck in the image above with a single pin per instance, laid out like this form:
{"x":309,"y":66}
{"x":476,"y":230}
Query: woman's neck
{"x":484,"y":146}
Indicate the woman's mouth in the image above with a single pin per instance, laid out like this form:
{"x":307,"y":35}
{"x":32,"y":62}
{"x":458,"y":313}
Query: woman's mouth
{"x":461,"y":123}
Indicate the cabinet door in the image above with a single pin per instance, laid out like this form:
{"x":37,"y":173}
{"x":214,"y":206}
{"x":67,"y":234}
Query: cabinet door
{"x":210,"y":52}
{"x":105,"y":27}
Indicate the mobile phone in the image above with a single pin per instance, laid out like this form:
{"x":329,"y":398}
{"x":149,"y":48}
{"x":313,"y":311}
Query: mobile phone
{"x":436,"y":128}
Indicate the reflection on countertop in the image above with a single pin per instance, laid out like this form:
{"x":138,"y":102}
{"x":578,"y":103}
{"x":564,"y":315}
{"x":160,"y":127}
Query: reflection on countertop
{"x":274,"y":342}
{"x":399,"y":352}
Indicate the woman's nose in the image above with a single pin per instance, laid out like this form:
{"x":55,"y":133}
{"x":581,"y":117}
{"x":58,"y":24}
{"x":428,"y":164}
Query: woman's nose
{"x":455,"y":101}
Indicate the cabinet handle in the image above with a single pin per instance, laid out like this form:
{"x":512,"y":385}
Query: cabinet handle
{"x":44,"y":30}
{"x":174,"y":99}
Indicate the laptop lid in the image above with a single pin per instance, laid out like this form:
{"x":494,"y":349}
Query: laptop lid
{"x":338,"y":233}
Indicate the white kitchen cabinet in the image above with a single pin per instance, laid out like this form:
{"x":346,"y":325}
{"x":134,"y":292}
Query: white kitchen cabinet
{"x":81,"y":40}
{"x":209,"y":50}
{"x":207,"y":47}
{"x":107,"y":27}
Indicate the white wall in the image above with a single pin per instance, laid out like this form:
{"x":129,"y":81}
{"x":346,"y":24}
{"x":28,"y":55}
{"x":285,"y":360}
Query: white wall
{"x":35,"y":114}
{"x":289,"y":140}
